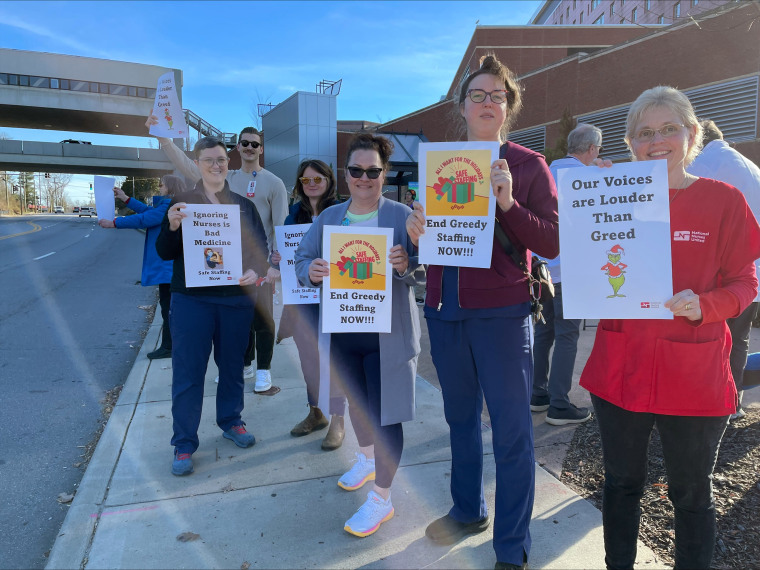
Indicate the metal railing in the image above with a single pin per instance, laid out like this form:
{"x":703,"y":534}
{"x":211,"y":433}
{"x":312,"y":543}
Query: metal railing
{"x":206,"y":129}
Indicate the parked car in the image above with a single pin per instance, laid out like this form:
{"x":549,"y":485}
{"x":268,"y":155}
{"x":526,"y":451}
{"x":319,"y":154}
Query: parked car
{"x":86,"y":211}
{"x":76,"y":209}
{"x":58,"y":210}
{"x":72,"y":141}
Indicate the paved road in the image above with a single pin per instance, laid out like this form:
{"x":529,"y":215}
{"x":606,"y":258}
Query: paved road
{"x":70,"y":328}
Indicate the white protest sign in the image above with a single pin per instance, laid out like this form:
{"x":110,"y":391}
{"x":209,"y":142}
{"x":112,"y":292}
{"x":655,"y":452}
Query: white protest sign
{"x":356,"y":296}
{"x":105,"y":202}
{"x":455,"y":191}
{"x":171,"y":119}
{"x":614,"y":229}
{"x":212,"y":245}
{"x":288,"y":240}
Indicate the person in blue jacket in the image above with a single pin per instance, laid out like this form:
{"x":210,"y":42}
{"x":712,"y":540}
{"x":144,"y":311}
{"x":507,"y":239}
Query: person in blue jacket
{"x":155,"y":271}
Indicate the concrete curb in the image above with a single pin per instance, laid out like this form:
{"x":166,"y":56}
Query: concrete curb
{"x":71,"y":547}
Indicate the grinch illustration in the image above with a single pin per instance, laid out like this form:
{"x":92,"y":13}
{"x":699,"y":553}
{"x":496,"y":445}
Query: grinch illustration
{"x":615,"y":269}
{"x":168,"y":117}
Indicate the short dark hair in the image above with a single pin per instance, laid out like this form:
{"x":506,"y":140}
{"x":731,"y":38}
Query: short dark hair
{"x":710,"y":132}
{"x":207,"y":142}
{"x":330,"y":196}
{"x":174,"y":184}
{"x":368,"y":141}
{"x":251,"y":131}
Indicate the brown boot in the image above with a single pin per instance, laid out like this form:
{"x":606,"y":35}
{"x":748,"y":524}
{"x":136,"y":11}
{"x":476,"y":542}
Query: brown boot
{"x":316,"y":420}
{"x":336,"y":433}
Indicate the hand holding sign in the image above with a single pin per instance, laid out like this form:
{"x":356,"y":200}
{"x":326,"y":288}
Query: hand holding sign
{"x":176,"y":215}
{"x":399,"y":259}
{"x":501,"y":183}
{"x":415,"y":223}
{"x":318,"y":270}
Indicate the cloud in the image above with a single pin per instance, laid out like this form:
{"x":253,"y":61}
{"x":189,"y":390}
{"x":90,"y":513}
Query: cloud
{"x":9,"y":20}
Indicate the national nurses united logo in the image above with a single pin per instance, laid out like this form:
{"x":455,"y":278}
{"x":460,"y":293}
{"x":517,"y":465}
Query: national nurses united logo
{"x":358,"y":262}
{"x":461,"y":184}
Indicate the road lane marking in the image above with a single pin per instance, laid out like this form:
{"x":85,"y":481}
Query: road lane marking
{"x":44,"y":256}
{"x":35,"y":226}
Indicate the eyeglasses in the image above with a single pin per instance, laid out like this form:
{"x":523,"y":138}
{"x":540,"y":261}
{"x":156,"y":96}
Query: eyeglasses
{"x":254,"y":144}
{"x":306,"y":181}
{"x":208,"y":162}
{"x":666,"y":131}
{"x":498,"y":96}
{"x":372,"y":173}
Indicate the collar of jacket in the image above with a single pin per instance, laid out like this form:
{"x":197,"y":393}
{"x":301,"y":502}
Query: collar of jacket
{"x":224,"y":195}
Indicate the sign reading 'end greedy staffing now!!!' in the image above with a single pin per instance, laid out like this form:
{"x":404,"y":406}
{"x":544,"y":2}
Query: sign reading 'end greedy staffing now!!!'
{"x":455,"y":192}
{"x":356,"y":296}
{"x":614,"y":230}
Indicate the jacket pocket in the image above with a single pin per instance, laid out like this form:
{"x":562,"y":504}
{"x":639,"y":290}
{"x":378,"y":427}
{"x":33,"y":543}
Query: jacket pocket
{"x":689,"y":376}
{"x":604,"y":371}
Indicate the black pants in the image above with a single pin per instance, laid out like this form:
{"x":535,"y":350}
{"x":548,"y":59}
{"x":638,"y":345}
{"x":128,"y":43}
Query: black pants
{"x":690,"y":447}
{"x":261,"y":338}
{"x":740,"y":328}
{"x":356,"y":365}
{"x":164,"y":301}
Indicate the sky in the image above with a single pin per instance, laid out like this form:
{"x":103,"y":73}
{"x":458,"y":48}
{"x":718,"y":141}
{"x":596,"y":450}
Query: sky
{"x":393,"y":57}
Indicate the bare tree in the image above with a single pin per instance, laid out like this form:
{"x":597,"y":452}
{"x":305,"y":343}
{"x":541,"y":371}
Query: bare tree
{"x":55,"y":189}
{"x":259,"y":100}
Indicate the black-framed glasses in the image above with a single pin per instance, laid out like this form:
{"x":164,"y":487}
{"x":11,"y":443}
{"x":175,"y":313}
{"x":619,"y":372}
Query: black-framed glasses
{"x":498,"y":96}
{"x":254,"y":144}
{"x":305,"y":181}
{"x":372,"y":173}
{"x":208,"y":162}
{"x":666,"y":131}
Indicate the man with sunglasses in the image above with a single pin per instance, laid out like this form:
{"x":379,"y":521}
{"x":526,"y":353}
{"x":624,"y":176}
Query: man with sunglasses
{"x":268,"y":194}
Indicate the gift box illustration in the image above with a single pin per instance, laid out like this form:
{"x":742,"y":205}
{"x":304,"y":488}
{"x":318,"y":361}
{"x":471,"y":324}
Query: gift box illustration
{"x":455,"y":192}
{"x":355,"y":269}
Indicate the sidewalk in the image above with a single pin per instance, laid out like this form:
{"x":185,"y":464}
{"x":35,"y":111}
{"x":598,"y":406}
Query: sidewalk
{"x":277,"y":505}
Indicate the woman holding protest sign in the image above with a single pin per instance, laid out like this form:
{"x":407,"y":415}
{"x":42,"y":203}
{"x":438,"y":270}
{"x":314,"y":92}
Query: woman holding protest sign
{"x":314,"y":191}
{"x":674,"y":374}
{"x":155,"y":271}
{"x":376,"y":370}
{"x":202,"y":315}
{"x":470,"y":311}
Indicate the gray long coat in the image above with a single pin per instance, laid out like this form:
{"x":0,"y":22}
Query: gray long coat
{"x":400,"y":348}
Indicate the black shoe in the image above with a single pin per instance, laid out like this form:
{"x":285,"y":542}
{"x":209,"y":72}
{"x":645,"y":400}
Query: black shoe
{"x":539,"y":403}
{"x":569,"y":415}
{"x":508,"y":566}
{"x":160,"y":353}
{"x":446,"y":530}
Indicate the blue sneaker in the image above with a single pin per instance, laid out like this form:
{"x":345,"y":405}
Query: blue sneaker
{"x":374,"y":512}
{"x":362,"y":471}
{"x":182,"y":464}
{"x":240,"y":436}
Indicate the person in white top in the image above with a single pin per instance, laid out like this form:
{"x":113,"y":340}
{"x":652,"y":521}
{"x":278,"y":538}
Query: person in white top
{"x":268,"y":194}
{"x":721,"y":162}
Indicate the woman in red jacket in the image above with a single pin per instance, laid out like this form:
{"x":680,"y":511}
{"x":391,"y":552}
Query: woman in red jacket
{"x":478,"y":320}
{"x":674,"y":374}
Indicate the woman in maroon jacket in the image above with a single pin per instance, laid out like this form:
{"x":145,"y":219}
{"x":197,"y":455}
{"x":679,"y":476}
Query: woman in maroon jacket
{"x":479,"y":326}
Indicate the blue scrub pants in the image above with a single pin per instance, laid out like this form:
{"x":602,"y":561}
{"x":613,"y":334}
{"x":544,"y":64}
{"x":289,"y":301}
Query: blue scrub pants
{"x":492,"y":357}
{"x":197,"y":321}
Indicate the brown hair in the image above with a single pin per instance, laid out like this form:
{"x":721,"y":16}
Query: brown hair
{"x":304,"y":214}
{"x":491,"y":65}
{"x":251,"y":131}
{"x":710,"y":132}
{"x":367,"y":141}
{"x":174,"y":184}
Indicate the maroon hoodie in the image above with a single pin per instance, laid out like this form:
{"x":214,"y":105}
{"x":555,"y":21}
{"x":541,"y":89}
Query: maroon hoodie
{"x":531,"y":224}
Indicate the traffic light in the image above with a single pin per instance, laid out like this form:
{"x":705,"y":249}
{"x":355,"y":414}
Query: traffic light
{"x":90,"y":186}
{"x":47,"y":175}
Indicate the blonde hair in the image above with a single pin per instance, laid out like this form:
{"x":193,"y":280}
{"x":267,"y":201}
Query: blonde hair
{"x":670,"y":98}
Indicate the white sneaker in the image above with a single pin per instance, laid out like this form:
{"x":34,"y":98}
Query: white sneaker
{"x":362,"y":471}
{"x":263,"y":381}
{"x":249,"y":372}
{"x":370,"y":515}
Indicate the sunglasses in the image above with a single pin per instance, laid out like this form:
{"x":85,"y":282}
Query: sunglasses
{"x":306,"y":181}
{"x":372,"y":173}
{"x":254,"y":144}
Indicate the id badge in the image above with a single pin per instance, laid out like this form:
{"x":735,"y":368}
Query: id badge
{"x":251,"y":192}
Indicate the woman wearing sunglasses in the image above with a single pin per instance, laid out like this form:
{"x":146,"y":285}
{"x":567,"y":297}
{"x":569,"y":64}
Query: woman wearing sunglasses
{"x":674,"y":374}
{"x":479,"y":326}
{"x":376,"y":371}
{"x":314,"y":191}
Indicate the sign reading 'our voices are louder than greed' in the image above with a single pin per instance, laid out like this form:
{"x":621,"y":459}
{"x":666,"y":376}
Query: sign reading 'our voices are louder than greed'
{"x":356,"y":296}
{"x":455,"y":192}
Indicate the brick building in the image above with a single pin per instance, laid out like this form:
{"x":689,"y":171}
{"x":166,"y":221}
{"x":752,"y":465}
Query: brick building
{"x":602,"y":12}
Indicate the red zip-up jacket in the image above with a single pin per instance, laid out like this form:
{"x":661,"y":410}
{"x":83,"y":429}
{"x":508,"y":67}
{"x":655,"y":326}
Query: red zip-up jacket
{"x":531,"y":225}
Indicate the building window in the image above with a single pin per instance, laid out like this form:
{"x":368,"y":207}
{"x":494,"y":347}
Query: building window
{"x":581,"y":18}
{"x":694,"y":2}
{"x":677,"y":10}
{"x":567,"y":13}
{"x":661,"y":20}
{"x":560,"y":19}
{"x":3,"y":79}
{"x":117,"y":89}
{"x":573,"y":4}
{"x":23,"y":80}
{"x":648,"y":4}
{"x":141,"y":91}
{"x":133,"y":91}
{"x":54,"y":84}
{"x":612,"y":9}
{"x":594,"y":4}
{"x":633,"y":15}
{"x":65,"y":84}
{"x":599,"y":21}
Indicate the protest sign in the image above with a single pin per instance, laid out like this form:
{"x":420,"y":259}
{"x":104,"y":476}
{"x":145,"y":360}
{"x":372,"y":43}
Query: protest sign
{"x":614,"y":228}
{"x":171,"y":119}
{"x":288,"y":240}
{"x":212,"y":245}
{"x":356,"y":296}
{"x":455,"y":191}
{"x":105,"y":203}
